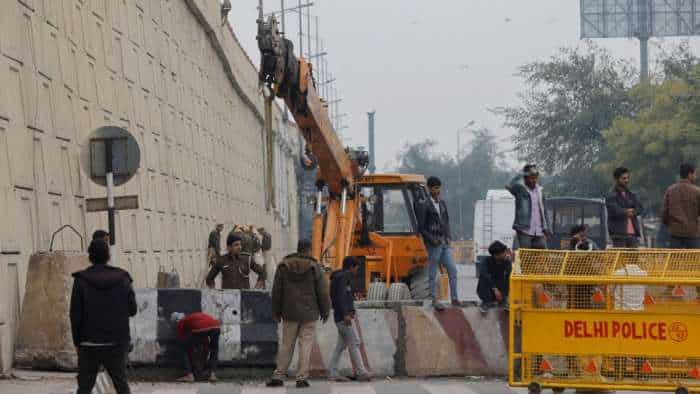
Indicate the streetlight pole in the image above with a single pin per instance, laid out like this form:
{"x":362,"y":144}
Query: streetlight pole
{"x":461,"y":176}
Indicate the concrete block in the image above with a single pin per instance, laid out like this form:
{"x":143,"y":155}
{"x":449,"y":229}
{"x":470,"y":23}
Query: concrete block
{"x":144,"y":328}
{"x":46,"y":341}
{"x":378,"y":331}
{"x":445,"y":343}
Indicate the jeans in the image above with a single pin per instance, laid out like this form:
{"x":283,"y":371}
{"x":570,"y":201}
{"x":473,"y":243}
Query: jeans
{"x":442,"y":255}
{"x":531,"y":242}
{"x":685,"y":243}
{"x":625,"y":241}
{"x":209,"y":339}
{"x":291,"y":330}
{"x":347,"y":338}
{"x":113,"y":358}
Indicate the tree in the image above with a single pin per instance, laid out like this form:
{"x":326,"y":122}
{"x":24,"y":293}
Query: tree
{"x":663,"y":132}
{"x":480,"y":168}
{"x":569,"y":100}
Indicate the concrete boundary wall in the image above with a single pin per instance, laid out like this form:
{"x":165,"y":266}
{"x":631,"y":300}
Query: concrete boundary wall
{"x":177,"y":78}
{"x":398,"y":340}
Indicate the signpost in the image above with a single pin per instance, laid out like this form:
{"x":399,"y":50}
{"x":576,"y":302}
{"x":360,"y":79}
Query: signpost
{"x":111,"y":158}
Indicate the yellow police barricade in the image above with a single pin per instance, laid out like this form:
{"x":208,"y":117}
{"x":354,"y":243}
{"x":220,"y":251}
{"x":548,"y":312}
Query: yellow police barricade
{"x":605,"y":320}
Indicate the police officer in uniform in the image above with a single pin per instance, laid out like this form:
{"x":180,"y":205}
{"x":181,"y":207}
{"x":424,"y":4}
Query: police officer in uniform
{"x":235,"y":268}
{"x":214,"y":244}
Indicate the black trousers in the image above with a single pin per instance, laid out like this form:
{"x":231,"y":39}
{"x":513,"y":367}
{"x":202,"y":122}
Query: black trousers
{"x":113,"y":358}
{"x":197,"y":341}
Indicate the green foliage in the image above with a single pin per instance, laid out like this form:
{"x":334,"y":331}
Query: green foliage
{"x":663,"y":133}
{"x":570,"y":99}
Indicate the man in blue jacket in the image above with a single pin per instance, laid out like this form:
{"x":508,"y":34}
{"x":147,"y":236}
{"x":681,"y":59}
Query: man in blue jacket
{"x":530,"y":223}
{"x":343,"y":303}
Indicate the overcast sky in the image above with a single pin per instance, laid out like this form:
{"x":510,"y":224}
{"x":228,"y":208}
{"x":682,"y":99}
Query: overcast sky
{"x":430,"y":67}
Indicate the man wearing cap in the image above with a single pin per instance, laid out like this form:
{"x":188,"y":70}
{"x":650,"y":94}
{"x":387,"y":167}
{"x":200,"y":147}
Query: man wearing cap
{"x":235,"y":268}
{"x":214,"y":246}
{"x":530,"y":214}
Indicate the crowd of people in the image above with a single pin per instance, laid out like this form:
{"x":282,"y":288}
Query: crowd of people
{"x":103,"y":298}
{"x":679,"y":215}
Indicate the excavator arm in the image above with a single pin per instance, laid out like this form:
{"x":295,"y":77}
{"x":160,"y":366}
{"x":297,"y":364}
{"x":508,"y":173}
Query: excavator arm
{"x":291,"y":79}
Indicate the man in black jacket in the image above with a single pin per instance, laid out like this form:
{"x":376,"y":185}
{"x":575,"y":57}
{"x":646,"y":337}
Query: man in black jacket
{"x":101,"y":303}
{"x":344,"y":313}
{"x":434,"y":226}
{"x":624,"y":210}
{"x":494,"y":276}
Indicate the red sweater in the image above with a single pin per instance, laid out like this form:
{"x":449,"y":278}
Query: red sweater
{"x":196,"y":322}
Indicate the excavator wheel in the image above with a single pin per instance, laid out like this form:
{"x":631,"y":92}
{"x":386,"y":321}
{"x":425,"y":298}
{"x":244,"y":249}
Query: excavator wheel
{"x":399,"y":292}
{"x":377,"y":292}
{"x":420,"y":287}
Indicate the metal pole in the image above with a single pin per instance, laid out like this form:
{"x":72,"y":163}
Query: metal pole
{"x":644,"y":34}
{"x":282,"y":11}
{"x":318,"y":59}
{"x":644,"y":59}
{"x":301,"y":31}
{"x":372,"y":166}
{"x":110,"y":198}
{"x":308,"y":32}
{"x":461,"y":180}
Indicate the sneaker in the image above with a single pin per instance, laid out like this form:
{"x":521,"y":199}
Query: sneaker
{"x":213,"y":378}
{"x":364,"y":378}
{"x":456,"y":303}
{"x":189,"y":378}
{"x":438,"y":306}
{"x":303,"y":384}
{"x":274,"y":383}
{"x":483,"y":307}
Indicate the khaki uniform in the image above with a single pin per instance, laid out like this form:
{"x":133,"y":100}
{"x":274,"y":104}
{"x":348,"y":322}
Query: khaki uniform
{"x":235,"y":271}
{"x":299,"y":298}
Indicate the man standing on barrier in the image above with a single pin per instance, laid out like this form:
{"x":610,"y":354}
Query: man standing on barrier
{"x":530,"y":223}
{"x":434,"y":226}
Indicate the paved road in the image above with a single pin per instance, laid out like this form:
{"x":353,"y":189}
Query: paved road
{"x":404,"y":386}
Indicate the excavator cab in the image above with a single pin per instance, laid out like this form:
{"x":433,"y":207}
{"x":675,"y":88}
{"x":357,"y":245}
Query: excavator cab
{"x":388,"y":241}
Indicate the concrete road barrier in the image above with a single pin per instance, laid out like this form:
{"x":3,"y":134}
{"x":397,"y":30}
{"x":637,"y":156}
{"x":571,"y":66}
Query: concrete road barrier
{"x":400,"y":339}
{"x":248,"y":333}
{"x":457,"y":341}
{"x":378,"y":331}
{"x":44,"y":338}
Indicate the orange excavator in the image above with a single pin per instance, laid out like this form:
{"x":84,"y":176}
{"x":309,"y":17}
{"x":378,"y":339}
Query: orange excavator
{"x":372,"y":217}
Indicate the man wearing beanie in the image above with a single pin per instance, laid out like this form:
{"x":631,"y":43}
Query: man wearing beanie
{"x":235,"y":268}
